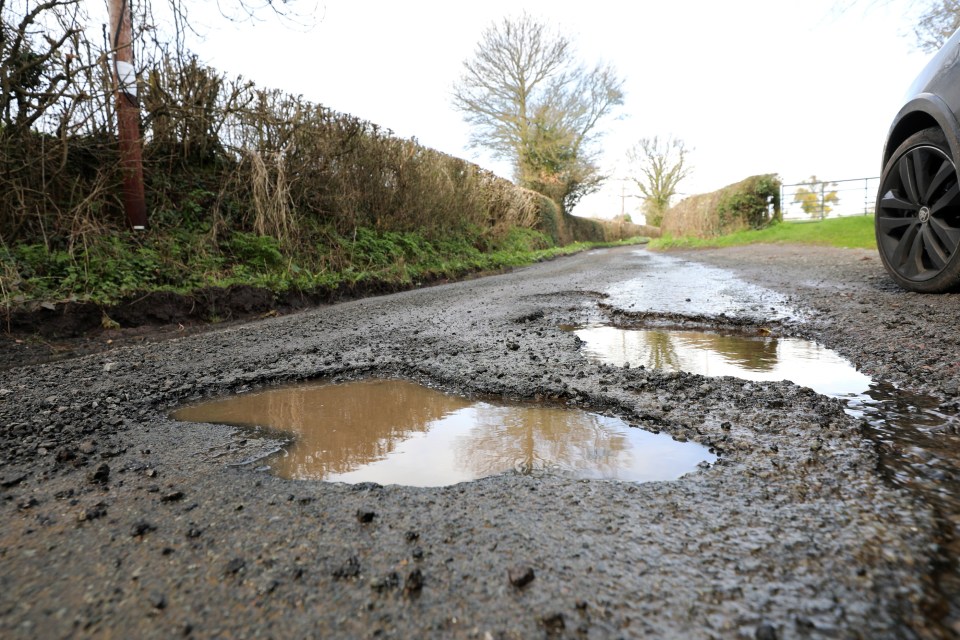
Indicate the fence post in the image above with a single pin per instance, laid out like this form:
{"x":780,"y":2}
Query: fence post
{"x":822,"y":203}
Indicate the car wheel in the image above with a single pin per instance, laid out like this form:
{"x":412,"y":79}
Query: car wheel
{"x":918,"y":215}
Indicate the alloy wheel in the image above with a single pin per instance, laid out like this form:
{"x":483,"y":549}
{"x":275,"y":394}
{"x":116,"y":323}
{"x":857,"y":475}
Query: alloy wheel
{"x":918,"y":216}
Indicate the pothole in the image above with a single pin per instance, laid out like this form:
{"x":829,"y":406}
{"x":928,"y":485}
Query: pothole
{"x":916,"y":435}
{"x":755,"y":358}
{"x":399,"y":432}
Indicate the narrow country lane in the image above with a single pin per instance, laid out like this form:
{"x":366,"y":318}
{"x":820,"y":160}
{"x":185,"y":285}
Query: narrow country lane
{"x":121,"y":521}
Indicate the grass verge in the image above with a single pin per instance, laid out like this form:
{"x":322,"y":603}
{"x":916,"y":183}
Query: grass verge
{"x":855,"y":232}
{"x":113,"y":268}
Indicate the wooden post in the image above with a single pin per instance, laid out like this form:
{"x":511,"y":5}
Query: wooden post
{"x":128,"y":113}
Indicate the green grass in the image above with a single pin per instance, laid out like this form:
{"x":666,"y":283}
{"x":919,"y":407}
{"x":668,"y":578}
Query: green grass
{"x":112,"y":268}
{"x":855,"y":232}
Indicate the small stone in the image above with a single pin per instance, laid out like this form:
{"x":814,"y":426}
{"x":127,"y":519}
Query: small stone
{"x":194,"y":532}
{"x":27,"y":504}
{"x":172,"y":497}
{"x":388,"y":582}
{"x":412,"y":535}
{"x":554,"y":624}
{"x":93,"y":513}
{"x":235,"y":565}
{"x":414,"y":582}
{"x":159,"y":601}
{"x":521,"y":576}
{"x":101,"y":474}
{"x":366,"y":517}
{"x":151,"y":473}
{"x":12,"y":481}
{"x":87,"y":447}
{"x":766,"y":632}
{"x":349,"y":569}
{"x":141,"y":528}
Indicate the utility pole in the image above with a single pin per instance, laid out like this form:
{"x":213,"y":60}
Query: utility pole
{"x":128,"y":113}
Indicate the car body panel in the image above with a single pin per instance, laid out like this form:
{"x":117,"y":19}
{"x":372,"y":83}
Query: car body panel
{"x":928,"y":101}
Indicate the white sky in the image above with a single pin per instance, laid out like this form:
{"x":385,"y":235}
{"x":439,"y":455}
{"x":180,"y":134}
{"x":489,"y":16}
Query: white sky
{"x":754,"y":86}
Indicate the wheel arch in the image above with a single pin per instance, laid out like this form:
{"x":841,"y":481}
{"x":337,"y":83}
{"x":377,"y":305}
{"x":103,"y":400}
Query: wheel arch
{"x":922,"y":112}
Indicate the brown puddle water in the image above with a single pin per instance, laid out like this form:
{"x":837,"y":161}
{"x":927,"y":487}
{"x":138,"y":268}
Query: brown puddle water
{"x":398,"y":432}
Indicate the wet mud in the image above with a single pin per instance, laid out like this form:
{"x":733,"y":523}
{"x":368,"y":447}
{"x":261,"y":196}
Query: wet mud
{"x":120,"y":520}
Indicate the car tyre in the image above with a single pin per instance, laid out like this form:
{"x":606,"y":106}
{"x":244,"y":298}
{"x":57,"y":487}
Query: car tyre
{"x":917,"y":220}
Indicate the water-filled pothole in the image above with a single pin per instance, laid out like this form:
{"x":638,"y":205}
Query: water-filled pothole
{"x":918,"y":438}
{"x":398,"y":432}
{"x":757,"y":358}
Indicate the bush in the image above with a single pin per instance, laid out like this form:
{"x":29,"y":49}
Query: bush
{"x":744,"y":205}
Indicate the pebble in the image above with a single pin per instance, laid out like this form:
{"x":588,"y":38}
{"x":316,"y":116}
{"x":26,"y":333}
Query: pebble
{"x":414,"y":582}
{"x":554,"y":624}
{"x":349,"y":569}
{"x":159,"y":601}
{"x":235,"y":565}
{"x":101,"y":474}
{"x":521,"y":576}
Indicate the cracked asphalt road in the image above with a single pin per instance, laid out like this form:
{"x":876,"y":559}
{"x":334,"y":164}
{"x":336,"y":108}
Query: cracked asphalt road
{"x":120,"y":521}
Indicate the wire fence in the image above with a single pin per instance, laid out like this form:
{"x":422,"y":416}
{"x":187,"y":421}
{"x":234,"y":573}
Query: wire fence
{"x":829,"y":199}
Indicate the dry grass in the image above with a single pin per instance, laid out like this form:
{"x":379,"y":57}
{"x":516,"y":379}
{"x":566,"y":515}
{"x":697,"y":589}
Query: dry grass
{"x":271,"y":162}
{"x":226,"y":156}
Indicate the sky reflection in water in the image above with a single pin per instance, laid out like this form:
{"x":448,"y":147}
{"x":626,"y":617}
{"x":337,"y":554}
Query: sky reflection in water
{"x":398,"y":432}
{"x":756,"y":358}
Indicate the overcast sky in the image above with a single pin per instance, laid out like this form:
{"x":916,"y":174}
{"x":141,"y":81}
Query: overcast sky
{"x":753,"y":86}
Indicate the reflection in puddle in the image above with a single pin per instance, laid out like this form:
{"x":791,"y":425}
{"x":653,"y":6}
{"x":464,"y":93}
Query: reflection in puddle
{"x":755,"y":358}
{"x":920,"y":446}
{"x":397,"y":432}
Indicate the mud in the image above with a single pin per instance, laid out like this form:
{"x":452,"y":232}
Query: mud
{"x":121,"y":521}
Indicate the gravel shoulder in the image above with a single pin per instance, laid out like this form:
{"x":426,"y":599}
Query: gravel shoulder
{"x":119,"y":521}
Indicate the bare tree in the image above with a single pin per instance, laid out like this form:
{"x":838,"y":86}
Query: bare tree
{"x":40,"y":61}
{"x":935,"y":20}
{"x":939,"y":20}
{"x":660,"y":164}
{"x":530,"y":101}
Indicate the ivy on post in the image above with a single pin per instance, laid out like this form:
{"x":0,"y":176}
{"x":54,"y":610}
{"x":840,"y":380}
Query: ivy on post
{"x":128,"y":114}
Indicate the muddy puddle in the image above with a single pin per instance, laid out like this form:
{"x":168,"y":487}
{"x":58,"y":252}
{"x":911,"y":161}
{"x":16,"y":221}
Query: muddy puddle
{"x":398,"y":432}
{"x":756,"y":358}
{"x":913,"y":425}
